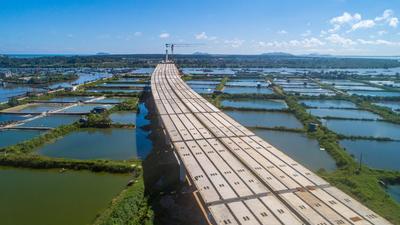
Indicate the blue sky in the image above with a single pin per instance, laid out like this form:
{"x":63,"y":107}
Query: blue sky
{"x":339,"y":27}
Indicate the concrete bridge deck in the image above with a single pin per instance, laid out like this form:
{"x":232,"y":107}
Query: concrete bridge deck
{"x":240,"y":178}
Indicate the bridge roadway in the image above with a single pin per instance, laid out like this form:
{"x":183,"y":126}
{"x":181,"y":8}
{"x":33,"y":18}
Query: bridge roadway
{"x":240,"y":178}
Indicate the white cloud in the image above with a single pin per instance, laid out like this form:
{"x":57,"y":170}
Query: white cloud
{"x":388,"y":17}
{"x":363,"y":24}
{"x":382,"y":32}
{"x":282,"y":32}
{"x":305,"y":43}
{"x":337,"y":39}
{"x":164,"y":35}
{"x":204,"y":36}
{"x":393,"y":22}
{"x":235,"y":43}
{"x":387,"y":14}
{"x":378,"y":42}
{"x":138,"y":33}
{"x":345,"y":18}
{"x":201,"y":36}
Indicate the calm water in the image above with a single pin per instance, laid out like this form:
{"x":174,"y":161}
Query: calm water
{"x":395,"y":106}
{"x":328,"y":93}
{"x":364,"y":128}
{"x":85,"y":108}
{"x":12,"y":137}
{"x":344,"y":113}
{"x":41,"y":107}
{"x":117,"y":144}
{"x":202,"y":82}
{"x":328,"y":103}
{"x":11,"y":117}
{"x":247,"y":90}
{"x":144,"y":145}
{"x":203,"y":90}
{"x":246,"y":83}
{"x":47,"y":197}
{"x":265,"y":119}
{"x":359,"y":88}
{"x":123,"y":117}
{"x":9,"y":91}
{"x":51,"y":121}
{"x":83,"y":78}
{"x":202,"y":86}
{"x":375,"y":93}
{"x":112,"y":100}
{"x":70,"y":99}
{"x":380,"y":155}
{"x":394,"y":191}
{"x":301,"y":148}
{"x":255,"y":104}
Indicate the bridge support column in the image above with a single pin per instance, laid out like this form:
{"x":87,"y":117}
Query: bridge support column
{"x":182,"y":170}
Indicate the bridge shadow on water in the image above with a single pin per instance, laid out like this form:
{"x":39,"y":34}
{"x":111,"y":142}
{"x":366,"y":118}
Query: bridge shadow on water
{"x":172,"y":201}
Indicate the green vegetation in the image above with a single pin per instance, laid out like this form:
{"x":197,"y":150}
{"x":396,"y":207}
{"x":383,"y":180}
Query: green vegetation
{"x":101,"y":120}
{"x":196,"y":61}
{"x":40,"y":162}
{"x":13,"y":101}
{"x":130,"y":207}
{"x":221,"y":85}
{"x":127,"y":105}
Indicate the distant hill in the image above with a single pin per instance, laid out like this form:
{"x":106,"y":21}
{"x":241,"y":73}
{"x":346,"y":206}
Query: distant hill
{"x":200,"y":53}
{"x":103,"y":53}
{"x":317,"y":55}
{"x":277,"y":54}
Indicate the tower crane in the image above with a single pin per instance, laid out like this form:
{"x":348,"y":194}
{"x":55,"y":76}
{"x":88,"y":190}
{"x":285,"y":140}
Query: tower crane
{"x":172,"y":46}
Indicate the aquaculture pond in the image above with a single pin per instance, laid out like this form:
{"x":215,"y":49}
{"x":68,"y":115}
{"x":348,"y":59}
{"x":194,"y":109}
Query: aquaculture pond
{"x":299,"y":147}
{"x":357,"y":88}
{"x":375,"y":93}
{"x":41,"y":197}
{"x":202,"y":82}
{"x":203,"y":90}
{"x":376,"y":154}
{"x":328,"y":104}
{"x":111,"y":143}
{"x":394,"y":191}
{"x":247,"y":90}
{"x":10,"y":137}
{"x":9,"y":90}
{"x":39,"y":107}
{"x":246,"y":83}
{"x":11,"y":117}
{"x":265,"y":119}
{"x":344,"y":113}
{"x":395,"y":106}
{"x":364,"y":128}
{"x":85,"y":108}
{"x":111,"y":100}
{"x":52,"y":121}
{"x":70,"y":99}
{"x":255,"y":104}
{"x":123,"y":117}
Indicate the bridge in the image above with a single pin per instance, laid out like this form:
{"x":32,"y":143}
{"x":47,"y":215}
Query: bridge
{"x":239,"y":177}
